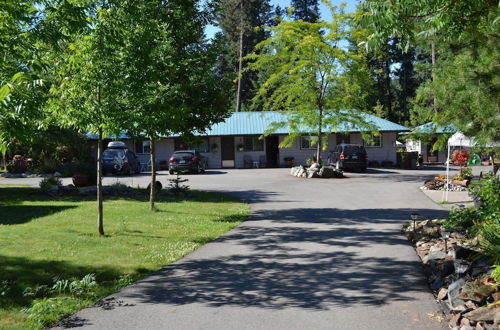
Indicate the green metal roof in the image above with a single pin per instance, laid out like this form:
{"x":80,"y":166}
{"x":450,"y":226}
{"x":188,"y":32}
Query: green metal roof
{"x":431,"y":127}
{"x":255,"y":123}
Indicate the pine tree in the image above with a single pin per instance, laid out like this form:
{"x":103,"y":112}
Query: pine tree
{"x":241,"y":22}
{"x":306,"y":10}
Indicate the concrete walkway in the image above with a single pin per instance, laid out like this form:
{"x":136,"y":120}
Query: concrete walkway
{"x":315,"y":254}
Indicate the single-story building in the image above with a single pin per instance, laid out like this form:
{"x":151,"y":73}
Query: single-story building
{"x":235,"y":143}
{"x":424,"y":146}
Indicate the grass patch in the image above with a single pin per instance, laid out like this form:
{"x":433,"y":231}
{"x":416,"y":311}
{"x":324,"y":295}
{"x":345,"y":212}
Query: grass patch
{"x":42,"y":239}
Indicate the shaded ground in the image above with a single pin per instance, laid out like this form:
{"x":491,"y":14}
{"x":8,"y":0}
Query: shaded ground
{"x":315,"y":254}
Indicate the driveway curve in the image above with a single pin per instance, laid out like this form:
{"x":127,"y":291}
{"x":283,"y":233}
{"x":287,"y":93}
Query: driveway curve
{"x":314,"y":254}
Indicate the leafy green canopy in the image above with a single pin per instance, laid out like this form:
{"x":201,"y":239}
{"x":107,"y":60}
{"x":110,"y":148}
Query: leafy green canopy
{"x":31,"y":34}
{"x":170,"y":86}
{"x":444,"y":20}
{"x":465,"y":84}
{"x":308,"y":76}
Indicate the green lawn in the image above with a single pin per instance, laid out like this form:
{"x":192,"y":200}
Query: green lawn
{"x":42,"y":238}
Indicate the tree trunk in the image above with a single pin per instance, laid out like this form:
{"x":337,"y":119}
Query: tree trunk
{"x":240,"y":67}
{"x":388,"y":94}
{"x":100,"y":224}
{"x":320,"y":133}
{"x":152,"y":194}
{"x":433,"y":60}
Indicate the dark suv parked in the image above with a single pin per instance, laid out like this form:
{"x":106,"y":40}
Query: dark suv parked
{"x":118,"y":159}
{"x":187,"y":161}
{"x":349,"y":156}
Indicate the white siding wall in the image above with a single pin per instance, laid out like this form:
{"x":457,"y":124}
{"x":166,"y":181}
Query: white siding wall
{"x":239,"y":155}
{"x":386,"y":152}
{"x":301,"y":155}
{"x":165,"y":148}
{"x":214,"y":158}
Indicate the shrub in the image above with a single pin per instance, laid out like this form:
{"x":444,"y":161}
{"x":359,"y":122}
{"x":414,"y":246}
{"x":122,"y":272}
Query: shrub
{"x":487,"y":193}
{"x":18,"y":165}
{"x":489,"y":240}
{"x":47,"y":183}
{"x":47,"y":311}
{"x":84,"y":287}
{"x":466,"y":173}
{"x":462,"y":218}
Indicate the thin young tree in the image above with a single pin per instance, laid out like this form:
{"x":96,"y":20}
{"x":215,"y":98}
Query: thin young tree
{"x":169,"y":78}
{"x":307,"y":80}
{"x":89,"y":85}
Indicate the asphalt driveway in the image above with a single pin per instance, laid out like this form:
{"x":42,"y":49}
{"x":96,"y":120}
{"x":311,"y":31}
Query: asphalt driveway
{"x":315,"y":254}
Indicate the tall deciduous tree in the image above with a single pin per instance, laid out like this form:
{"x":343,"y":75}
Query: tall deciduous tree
{"x":31,"y":34}
{"x":306,"y":10}
{"x":308,"y":80}
{"x":90,"y":84}
{"x":170,"y":82}
{"x":464,"y":87}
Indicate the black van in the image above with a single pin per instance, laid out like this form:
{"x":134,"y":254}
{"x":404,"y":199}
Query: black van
{"x":349,"y":156}
{"x":117,"y":159}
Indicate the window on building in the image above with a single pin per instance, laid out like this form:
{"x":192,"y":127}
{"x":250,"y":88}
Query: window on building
{"x":203,"y":146}
{"x":343,"y":138}
{"x":142,"y":147}
{"x":180,"y":145}
{"x":253,"y":143}
{"x":373,"y":141}
{"x":308,"y":142}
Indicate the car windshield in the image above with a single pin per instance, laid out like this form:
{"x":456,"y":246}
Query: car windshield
{"x":183,"y":155}
{"x":354,"y":150}
{"x":113,"y":153}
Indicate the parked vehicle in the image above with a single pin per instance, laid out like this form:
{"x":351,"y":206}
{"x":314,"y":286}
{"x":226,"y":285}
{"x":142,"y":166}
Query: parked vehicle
{"x":349,"y":156}
{"x":187,"y":161}
{"x":118,"y":159}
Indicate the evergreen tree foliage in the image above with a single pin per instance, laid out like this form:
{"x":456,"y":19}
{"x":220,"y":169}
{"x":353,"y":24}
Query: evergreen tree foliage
{"x":306,"y":10}
{"x":242,"y":23}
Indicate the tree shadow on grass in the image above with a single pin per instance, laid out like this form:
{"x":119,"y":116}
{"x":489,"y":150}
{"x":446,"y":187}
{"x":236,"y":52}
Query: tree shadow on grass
{"x":18,"y":214}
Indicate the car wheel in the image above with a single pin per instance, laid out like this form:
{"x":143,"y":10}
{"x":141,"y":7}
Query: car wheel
{"x":203,"y":168}
{"x":171,"y":172}
{"x":363,"y":170}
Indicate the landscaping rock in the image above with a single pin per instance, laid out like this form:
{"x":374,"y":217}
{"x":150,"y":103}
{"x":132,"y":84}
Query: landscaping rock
{"x":461,"y":266}
{"x":466,"y":327}
{"x":487,"y":314}
{"x":476,"y":291}
{"x":455,"y":319}
{"x":456,"y":304}
{"x":434,"y":255}
{"x":462,"y":253}
{"x":443,"y":292}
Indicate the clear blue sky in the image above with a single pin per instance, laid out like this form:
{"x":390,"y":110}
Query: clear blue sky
{"x":351,"y":6}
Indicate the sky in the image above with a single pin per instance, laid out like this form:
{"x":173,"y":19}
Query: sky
{"x":324,"y":12}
